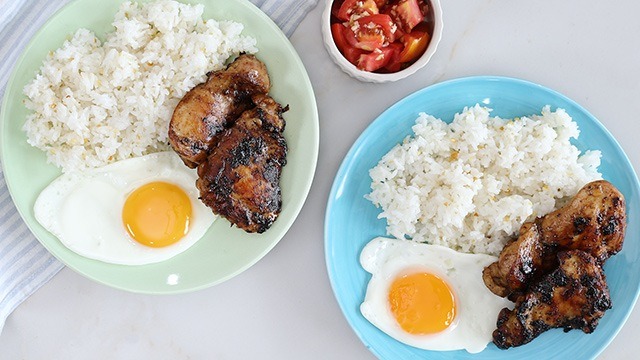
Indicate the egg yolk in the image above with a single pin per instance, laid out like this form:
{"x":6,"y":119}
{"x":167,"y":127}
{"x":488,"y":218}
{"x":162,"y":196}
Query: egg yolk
{"x":422,"y":303}
{"x":157,"y":214}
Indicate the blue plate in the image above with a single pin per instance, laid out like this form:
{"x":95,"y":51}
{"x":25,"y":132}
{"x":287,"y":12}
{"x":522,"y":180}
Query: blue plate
{"x":351,"y":221}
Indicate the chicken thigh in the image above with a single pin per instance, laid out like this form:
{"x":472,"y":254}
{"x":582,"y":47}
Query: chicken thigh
{"x":594,"y":221}
{"x":240,"y":178}
{"x":211,"y":107}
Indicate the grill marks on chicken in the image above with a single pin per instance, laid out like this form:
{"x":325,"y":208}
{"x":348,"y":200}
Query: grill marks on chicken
{"x":240,"y":178}
{"x":593,"y":221}
{"x":209,"y":108}
{"x":574,"y":296}
{"x":553,"y":270}
{"x":231,"y":130}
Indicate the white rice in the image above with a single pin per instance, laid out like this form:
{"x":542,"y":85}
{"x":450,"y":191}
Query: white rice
{"x":469,"y":185}
{"x":95,"y":103}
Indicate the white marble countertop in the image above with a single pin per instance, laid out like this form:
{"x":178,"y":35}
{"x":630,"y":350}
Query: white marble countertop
{"x":283,"y":307}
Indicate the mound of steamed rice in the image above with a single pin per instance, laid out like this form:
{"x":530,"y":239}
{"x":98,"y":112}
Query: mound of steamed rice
{"x":98,"y":102}
{"x":469,"y":185}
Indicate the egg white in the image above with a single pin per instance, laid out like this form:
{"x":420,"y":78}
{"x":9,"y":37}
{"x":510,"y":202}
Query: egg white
{"x":477,"y":307}
{"x":84,"y":209}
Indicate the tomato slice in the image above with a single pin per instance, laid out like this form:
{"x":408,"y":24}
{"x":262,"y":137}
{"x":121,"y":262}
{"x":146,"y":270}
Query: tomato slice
{"x":352,"y":54}
{"x":350,"y":36}
{"x":415,"y":43}
{"x":335,"y":7}
{"x":338,"y":33}
{"x":407,"y":14}
{"x":358,"y":8}
{"x":343,"y":38}
{"x":375,"y":60}
{"x":373,"y":31}
{"x":394,"y":64}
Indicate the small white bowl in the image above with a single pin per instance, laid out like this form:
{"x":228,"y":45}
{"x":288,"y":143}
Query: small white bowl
{"x":367,"y":76}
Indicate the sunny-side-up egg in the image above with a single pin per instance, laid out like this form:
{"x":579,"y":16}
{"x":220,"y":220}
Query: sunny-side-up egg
{"x":137,"y":211}
{"x":430,"y":297}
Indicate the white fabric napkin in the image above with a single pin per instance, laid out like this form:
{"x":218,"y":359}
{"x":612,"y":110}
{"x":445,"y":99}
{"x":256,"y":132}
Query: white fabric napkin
{"x":25,"y":264}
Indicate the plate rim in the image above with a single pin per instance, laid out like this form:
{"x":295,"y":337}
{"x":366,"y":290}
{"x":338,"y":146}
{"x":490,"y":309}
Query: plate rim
{"x":357,"y":144}
{"x":306,"y":184}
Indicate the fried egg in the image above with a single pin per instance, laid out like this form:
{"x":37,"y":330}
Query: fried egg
{"x":428,"y":296}
{"x":137,"y":211}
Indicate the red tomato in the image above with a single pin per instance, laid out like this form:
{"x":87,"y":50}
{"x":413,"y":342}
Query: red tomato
{"x":356,"y":7}
{"x":338,"y":34}
{"x":381,"y":3}
{"x":406,"y":14}
{"x":352,"y":54}
{"x":343,"y":37}
{"x":373,"y":32}
{"x":375,"y":60}
{"x":335,"y":7}
{"x":415,"y":43}
{"x":394,"y":64}
{"x":369,"y":40}
{"x":350,"y":36}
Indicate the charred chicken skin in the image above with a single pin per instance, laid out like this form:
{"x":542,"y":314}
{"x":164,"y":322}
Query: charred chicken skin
{"x":594,"y":221}
{"x":240,"y":178}
{"x":231,"y":130}
{"x":211,"y":107}
{"x":574,"y":296}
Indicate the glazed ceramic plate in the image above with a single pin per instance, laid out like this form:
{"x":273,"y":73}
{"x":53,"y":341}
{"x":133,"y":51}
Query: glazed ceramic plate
{"x":224,"y":251}
{"x":351,"y":220}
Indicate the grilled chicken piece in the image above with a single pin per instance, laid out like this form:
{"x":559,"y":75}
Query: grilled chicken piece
{"x":240,"y":178}
{"x":517,"y":262}
{"x":594,"y":221}
{"x":574,"y":296}
{"x":209,"y":108}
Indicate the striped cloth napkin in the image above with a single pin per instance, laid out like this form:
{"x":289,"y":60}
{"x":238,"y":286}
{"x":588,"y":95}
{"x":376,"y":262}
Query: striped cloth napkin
{"x":24,"y":264}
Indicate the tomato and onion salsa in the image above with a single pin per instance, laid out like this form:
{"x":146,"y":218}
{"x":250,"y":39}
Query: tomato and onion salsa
{"x":382,"y":36}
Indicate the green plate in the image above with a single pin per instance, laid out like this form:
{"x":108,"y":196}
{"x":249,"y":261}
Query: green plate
{"x":224,"y":251}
